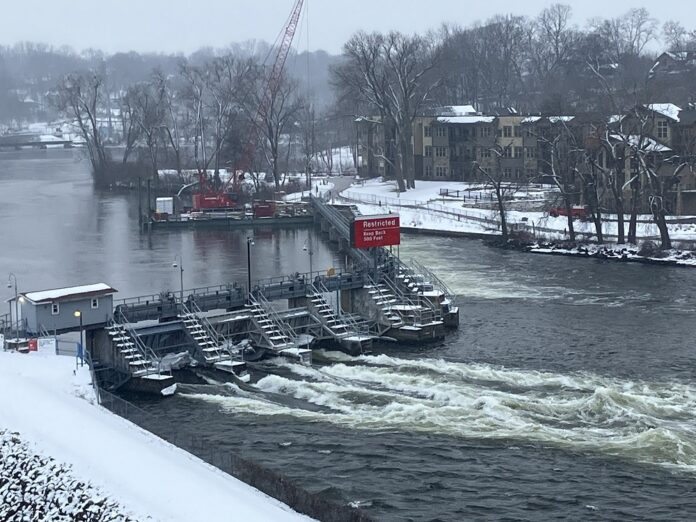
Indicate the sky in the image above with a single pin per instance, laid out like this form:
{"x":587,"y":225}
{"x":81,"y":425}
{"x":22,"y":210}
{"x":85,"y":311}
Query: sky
{"x":186,"y":25}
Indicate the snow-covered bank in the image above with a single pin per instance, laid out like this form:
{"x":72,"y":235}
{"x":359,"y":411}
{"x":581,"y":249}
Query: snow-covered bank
{"x":35,"y":487}
{"x":50,"y":403}
{"x":428,"y":208}
{"x":617,"y":253}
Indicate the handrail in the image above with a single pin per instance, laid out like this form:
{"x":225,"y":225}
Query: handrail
{"x":147,"y":353}
{"x":273,"y":315}
{"x":419,"y":268}
{"x":319,"y":288}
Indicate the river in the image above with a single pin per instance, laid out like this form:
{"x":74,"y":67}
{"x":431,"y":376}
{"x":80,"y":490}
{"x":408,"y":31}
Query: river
{"x":567,"y":393}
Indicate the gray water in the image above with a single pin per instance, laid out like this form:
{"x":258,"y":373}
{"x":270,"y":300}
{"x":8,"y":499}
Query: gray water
{"x":567,"y":393}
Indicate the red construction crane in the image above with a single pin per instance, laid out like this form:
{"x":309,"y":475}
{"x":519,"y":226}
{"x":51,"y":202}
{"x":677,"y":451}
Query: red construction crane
{"x":207,"y":197}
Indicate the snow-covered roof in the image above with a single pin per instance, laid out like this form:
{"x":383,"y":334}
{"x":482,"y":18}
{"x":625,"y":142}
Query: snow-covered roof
{"x":459,"y":110}
{"x":69,"y":293}
{"x":647,"y":144}
{"x":666,"y":109}
{"x":531,"y":119}
{"x":556,"y":119}
{"x":466,"y":119}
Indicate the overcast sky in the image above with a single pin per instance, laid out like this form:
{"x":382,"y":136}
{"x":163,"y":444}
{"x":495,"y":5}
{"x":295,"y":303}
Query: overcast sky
{"x":186,"y":25}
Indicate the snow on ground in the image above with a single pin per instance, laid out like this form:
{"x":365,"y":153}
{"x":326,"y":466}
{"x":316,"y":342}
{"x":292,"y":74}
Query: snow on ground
{"x":320,"y":187}
{"x":35,"y":487}
{"x":51,"y":404}
{"x":425,"y":208}
{"x":334,"y":161}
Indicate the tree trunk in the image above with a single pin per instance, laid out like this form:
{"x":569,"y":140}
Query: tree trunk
{"x":501,"y":209}
{"x":633,"y":222}
{"x":407,"y":158}
{"x":661,"y":222}
{"x":568,"y":207}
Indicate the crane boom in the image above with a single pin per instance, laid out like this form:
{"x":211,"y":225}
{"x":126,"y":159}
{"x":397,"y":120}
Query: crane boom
{"x":221,"y":198}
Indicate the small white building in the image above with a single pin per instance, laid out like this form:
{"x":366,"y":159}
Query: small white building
{"x":54,"y":310}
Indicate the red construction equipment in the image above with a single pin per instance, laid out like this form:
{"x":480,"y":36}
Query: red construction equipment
{"x":209,"y":198}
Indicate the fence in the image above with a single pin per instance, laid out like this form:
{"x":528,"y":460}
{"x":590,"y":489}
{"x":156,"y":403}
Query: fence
{"x":270,"y":482}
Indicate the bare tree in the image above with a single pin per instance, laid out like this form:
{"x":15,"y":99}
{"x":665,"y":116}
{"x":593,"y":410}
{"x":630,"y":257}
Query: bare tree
{"x":503,"y":187}
{"x":80,"y":97}
{"x":392,"y":74}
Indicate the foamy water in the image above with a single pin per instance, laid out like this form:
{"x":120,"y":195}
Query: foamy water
{"x":651,"y":423}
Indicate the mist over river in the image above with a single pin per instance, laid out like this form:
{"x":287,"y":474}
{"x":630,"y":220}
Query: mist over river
{"x":567,"y":393}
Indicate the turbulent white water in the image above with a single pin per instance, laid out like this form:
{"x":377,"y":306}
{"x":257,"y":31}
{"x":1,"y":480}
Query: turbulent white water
{"x":652,"y":423}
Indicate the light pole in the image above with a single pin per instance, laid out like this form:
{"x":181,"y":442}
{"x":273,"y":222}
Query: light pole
{"x":80,"y":351}
{"x":10,"y":279}
{"x":250,"y":243}
{"x":310,"y":251}
{"x":180,"y":266}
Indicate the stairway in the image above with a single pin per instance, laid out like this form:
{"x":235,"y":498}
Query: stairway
{"x":137,"y":359}
{"x":353,"y":336}
{"x":212,"y":348}
{"x":325,"y":313}
{"x":207,"y":341}
{"x":385,"y":300}
{"x":273,"y":333}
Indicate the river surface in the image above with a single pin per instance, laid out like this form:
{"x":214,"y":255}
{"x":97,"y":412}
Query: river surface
{"x":567,"y":393}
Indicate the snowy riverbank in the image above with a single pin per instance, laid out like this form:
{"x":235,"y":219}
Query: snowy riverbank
{"x":50,"y":404}
{"x":434,"y":206}
{"x":615,"y":252}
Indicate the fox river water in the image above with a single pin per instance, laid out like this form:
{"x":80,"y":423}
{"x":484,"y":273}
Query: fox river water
{"x":567,"y":393}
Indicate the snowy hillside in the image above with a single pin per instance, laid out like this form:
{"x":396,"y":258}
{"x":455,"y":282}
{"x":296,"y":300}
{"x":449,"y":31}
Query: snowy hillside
{"x":50,"y":403}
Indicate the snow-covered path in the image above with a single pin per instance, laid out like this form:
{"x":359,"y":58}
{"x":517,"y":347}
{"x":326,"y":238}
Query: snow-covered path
{"x":51,"y":405}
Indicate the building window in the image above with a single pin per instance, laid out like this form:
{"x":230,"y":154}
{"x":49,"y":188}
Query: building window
{"x":441,"y":172}
{"x":485,"y":132}
{"x":428,"y":131}
{"x":441,"y":152}
{"x":662,"y":130}
{"x":485,"y":152}
{"x":507,"y":131}
{"x":428,"y":171}
{"x":55,"y":308}
{"x":95,"y":303}
{"x":531,"y":152}
{"x":441,"y":131}
{"x":519,"y":151}
{"x":518,"y":173}
{"x":507,"y":152}
{"x":507,"y":172}
{"x":518,"y":131}
{"x":428,"y":151}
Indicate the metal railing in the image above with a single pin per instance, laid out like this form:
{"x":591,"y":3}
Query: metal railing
{"x":439,"y":284}
{"x":283,"y":327}
{"x":147,"y":353}
{"x":361,"y":329}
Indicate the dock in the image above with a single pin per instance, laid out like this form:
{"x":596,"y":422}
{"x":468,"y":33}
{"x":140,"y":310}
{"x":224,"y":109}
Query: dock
{"x":137,"y":342}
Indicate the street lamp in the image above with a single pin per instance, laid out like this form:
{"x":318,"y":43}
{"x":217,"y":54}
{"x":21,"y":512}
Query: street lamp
{"x":10,"y":279}
{"x":180,"y":266}
{"x":80,"y":352}
{"x":250,"y":243}
{"x":310,"y":251}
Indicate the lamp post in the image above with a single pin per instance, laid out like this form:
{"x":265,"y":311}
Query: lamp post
{"x":80,"y":352}
{"x":310,"y":251}
{"x":13,"y":278}
{"x":250,"y":243}
{"x":180,"y":266}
